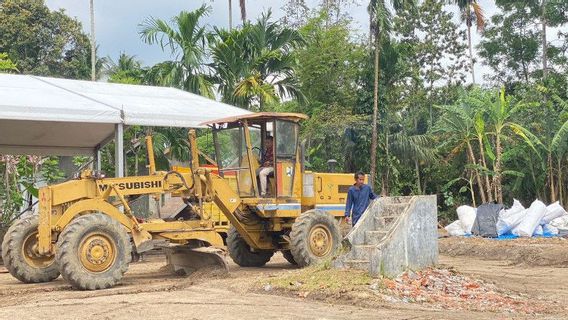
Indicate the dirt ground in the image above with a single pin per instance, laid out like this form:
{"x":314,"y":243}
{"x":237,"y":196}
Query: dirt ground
{"x":151,"y":293}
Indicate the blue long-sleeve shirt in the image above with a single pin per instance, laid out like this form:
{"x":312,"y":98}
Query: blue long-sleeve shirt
{"x":357,"y":201}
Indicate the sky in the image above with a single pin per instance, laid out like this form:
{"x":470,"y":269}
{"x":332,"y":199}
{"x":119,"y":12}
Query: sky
{"x":117,"y":22}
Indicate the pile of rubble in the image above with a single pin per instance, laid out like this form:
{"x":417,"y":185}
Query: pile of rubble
{"x":450,"y":290}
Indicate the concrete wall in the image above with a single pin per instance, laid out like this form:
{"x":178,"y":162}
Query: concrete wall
{"x":412,"y":243}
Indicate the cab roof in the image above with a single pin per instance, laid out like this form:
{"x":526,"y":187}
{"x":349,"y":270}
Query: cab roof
{"x":288,"y":116}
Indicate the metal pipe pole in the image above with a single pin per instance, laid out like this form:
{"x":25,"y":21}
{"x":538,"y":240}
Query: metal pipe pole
{"x":119,"y":150}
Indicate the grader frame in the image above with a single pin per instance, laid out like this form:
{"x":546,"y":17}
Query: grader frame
{"x":82,"y":224}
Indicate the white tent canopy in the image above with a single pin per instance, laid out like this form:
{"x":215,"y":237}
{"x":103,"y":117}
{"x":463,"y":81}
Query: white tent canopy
{"x":53,"y":116}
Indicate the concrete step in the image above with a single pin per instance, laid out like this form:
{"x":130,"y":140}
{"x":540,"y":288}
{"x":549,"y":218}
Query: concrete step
{"x":363,"y":251}
{"x":383,"y":223}
{"x":358,"y":264}
{"x":395,"y":200}
{"x":374,"y":237}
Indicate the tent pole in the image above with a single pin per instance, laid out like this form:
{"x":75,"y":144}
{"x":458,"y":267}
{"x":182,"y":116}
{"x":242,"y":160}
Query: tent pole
{"x":119,"y":150}
{"x":97,"y":159}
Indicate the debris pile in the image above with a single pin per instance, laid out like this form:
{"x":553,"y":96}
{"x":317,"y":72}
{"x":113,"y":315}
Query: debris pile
{"x":491,"y":220}
{"x":448,"y":289}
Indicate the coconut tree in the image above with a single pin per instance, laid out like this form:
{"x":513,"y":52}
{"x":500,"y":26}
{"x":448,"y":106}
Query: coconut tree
{"x":186,"y":40}
{"x":255,"y":65}
{"x":471,"y":12}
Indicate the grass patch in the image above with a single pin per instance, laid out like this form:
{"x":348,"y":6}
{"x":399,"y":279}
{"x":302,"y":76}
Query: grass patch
{"x":320,"y":277}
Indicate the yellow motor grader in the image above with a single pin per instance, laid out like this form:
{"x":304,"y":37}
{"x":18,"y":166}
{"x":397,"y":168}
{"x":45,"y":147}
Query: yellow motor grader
{"x":86,"y":231}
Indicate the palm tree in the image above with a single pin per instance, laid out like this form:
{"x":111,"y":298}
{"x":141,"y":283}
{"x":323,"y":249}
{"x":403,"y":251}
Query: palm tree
{"x":243,"y":5}
{"x":93,"y":42}
{"x":230,"y":15}
{"x":471,"y":10}
{"x":380,"y":21}
{"x":186,"y":40}
{"x":255,"y":65}
{"x":127,"y":69}
{"x":457,"y":128}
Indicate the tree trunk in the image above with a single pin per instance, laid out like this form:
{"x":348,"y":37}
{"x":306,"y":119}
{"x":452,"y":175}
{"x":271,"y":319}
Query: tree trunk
{"x":497,"y":178}
{"x":470,"y":46}
{"x":471,"y":189}
{"x":551,"y":178}
{"x":484,"y":164}
{"x":242,"y":4}
{"x":230,"y":15}
{"x":544,"y":43}
{"x":560,"y":184}
{"x":417,"y":169}
{"x":93,"y":42}
{"x":373,"y":170}
{"x":476,"y":172}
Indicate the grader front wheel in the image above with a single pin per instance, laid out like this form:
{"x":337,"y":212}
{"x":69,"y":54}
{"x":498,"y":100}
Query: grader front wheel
{"x":20,"y":255}
{"x":315,"y":237}
{"x":93,"y":252}
{"x":241,"y":252}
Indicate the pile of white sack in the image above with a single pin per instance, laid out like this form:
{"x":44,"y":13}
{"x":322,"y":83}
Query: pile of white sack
{"x":537,"y":220}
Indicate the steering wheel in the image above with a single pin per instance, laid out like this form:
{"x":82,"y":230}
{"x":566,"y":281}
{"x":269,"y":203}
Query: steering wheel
{"x":259,"y":151}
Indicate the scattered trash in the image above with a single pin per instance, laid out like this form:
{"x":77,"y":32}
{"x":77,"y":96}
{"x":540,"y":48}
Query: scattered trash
{"x":267,"y":287}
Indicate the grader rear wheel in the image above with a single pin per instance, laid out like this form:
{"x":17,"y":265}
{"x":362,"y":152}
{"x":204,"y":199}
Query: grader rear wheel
{"x":241,"y":252}
{"x":20,"y":255}
{"x":93,"y":252}
{"x":315,"y":237}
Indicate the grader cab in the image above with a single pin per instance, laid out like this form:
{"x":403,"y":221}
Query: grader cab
{"x":86,"y":230}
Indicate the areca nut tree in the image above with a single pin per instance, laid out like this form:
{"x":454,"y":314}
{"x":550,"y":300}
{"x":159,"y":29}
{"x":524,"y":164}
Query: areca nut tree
{"x":255,"y":65}
{"x":186,"y":39}
{"x":380,"y":22}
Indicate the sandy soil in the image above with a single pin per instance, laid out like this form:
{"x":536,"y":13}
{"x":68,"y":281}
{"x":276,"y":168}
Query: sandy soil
{"x":149,"y":292}
{"x":521,"y":251}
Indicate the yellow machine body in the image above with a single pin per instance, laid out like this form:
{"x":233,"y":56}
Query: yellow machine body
{"x":222,"y":199}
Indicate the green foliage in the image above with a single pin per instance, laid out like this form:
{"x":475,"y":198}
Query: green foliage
{"x":255,"y":66}
{"x":186,"y":40}
{"x":6,"y":65}
{"x":43,"y":42}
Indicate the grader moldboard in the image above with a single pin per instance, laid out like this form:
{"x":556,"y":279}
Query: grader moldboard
{"x":86,"y":230}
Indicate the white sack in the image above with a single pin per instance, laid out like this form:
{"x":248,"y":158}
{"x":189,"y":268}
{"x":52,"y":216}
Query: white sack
{"x":560,"y":223}
{"x":550,"y":230}
{"x":466,"y":214}
{"x":553,"y":211}
{"x":510,"y":218}
{"x":538,"y":231}
{"x":455,"y":229}
{"x":535,"y":212}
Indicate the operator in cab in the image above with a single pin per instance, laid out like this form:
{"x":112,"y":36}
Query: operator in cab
{"x":358,"y":199}
{"x":267,"y":166}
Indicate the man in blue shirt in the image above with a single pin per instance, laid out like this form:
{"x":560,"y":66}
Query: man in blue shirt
{"x":358,"y":198}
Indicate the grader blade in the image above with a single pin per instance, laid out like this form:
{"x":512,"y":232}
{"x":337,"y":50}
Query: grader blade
{"x":185,"y":260}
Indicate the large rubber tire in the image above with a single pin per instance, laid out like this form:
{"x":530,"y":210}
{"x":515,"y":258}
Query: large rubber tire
{"x":19,"y":257}
{"x":315,"y":238}
{"x":289,"y":257}
{"x":93,"y":252}
{"x":241,"y":252}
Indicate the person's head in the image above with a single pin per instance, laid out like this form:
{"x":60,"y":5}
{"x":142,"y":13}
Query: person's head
{"x":269,"y":142}
{"x":359,"y":178}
